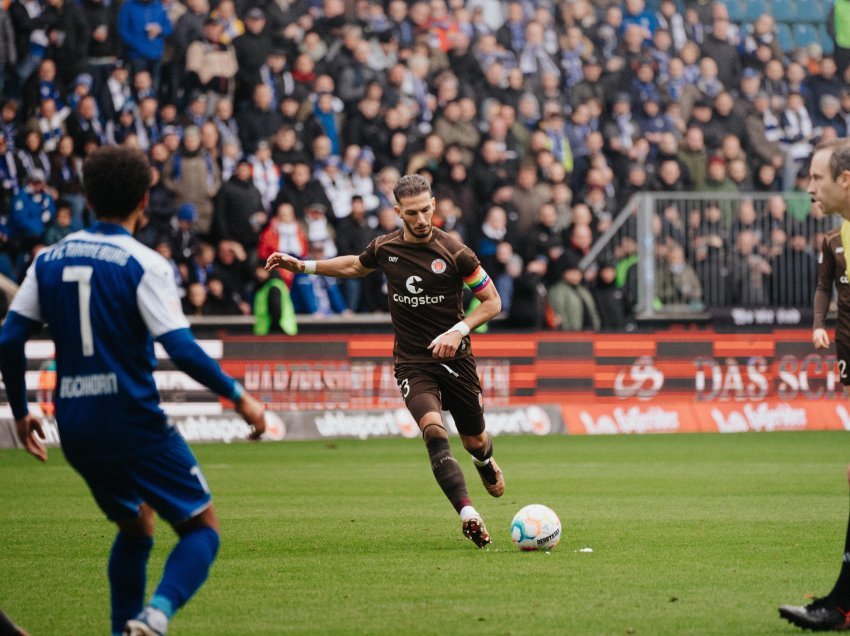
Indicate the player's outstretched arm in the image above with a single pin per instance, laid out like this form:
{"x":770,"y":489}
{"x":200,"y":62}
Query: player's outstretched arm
{"x":338,"y":267}
{"x":192,"y":360}
{"x":13,"y":364}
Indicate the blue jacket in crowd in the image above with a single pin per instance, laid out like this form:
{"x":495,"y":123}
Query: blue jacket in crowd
{"x":133,"y":19}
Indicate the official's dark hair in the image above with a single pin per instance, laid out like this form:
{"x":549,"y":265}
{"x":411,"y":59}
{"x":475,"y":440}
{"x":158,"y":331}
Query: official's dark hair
{"x":411,"y":185}
{"x":839,"y":160}
{"x":116,"y":179}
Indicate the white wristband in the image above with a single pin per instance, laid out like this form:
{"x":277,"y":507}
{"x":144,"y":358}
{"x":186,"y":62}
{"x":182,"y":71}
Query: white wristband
{"x":462,"y":327}
{"x":309,"y":267}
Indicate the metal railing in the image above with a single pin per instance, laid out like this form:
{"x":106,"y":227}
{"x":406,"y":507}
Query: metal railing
{"x":695,"y":252}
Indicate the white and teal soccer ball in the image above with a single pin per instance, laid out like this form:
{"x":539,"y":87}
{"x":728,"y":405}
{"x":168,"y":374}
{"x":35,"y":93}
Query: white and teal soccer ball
{"x":536,"y":527}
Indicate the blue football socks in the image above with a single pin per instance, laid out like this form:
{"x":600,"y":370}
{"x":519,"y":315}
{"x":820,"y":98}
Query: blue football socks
{"x":127,"y":568}
{"x":186,"y":570}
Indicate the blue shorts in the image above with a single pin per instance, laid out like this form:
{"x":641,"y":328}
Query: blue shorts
{"x":166,"y":477}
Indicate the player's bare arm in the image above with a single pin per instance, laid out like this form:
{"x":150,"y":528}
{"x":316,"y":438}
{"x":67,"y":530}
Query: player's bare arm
{"x":339,"y":267}
{"x":445,"y":345}
{"x":823,"y":295}
{"x":254,"y":413}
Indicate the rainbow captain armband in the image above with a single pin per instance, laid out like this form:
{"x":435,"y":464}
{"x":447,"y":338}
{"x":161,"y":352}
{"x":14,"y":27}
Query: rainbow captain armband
{"x":477,"y":280}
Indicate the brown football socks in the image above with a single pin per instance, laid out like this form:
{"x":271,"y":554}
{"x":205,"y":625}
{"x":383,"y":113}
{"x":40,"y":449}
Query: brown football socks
{"x":447,"y":472}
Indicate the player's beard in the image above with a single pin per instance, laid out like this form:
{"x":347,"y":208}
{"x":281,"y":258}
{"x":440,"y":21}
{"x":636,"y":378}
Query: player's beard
{"x":419,"y":233}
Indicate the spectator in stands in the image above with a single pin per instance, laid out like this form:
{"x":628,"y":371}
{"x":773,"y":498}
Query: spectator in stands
{"x":709,"y":249}
{"x":8,"y":121}
{"x":610,"y":301}
{"x":716,"y":178}
{"x":239,"y":212}
{"x":827,"y":82}
{"x":188,"y":28}
{"x":66,"y":179}
{"x":302,"y":190}
{"x":749,"y":273}
{"x":320,"y":296}
{"x":115,"y":93}
{"x":763,"y":33}
{"x":797,"y":136}
{"x":233,"y":267}
{"x":30,"y":37}
{"x":8,"y":49}
{"x":31,"y":155}
{"x":194,"y":303}
{"x":60,"y":226}
{"x":676,"y":281}
{"x":50,"y":122}
{"x":11,"y":177}
{"x":724,"y":121}
{"x":571,"y":301}
{"x":827,"y":116}
{"x":544,"y":241}
{"x":194,"y":177}
{"x":265,"y":174}
{"x":260,"y":122}
{"x":794,"y":272}
{"x":717,"y":46}
{"x":694,"y":156}
{"x":353,"y":236}
{"x":40,"y":85}
{"x":161,"y":207}
{"x":68,"y":35}
{"x":493,"y":231}
{"x":104,"y":42}
{"x":838,"y":28}
{"x":211,"y":66}
{"x":144,"y":26}
{"x":283,"y":234}
{"x":32,"y":210}
{"x":220,"y":302}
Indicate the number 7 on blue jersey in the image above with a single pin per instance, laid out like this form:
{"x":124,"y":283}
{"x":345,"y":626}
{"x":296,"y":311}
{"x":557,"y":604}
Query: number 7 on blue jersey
{"x":81,"y":274}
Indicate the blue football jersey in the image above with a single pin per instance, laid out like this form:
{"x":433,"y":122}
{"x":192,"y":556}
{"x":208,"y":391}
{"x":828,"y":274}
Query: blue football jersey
{"x":104,"y":297}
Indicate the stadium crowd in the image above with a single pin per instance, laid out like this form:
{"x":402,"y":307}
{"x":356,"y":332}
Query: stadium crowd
{"x":282,"y":125}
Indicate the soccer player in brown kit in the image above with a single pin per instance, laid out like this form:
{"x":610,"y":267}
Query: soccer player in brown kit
{"x":829,"y":186}
{"x":434,"y":367}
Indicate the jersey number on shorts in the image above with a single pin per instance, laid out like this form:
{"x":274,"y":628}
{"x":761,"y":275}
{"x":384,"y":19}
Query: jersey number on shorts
{"x":81,"y":275}
{"x":842,"y":369}
{"x":196,"y":471}
{"x":404,"y":387}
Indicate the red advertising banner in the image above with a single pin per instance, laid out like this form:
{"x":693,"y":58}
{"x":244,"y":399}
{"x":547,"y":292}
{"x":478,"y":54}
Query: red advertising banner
{"x":672,"y":381}
{"x":682,"y":416}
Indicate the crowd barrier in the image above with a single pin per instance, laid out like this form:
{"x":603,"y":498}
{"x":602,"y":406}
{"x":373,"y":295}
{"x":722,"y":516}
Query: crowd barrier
{"x":547,"y":383}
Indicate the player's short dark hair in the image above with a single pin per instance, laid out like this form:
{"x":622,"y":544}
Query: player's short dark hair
{"x":839,"y":160}
{"x":411,"y":185}
{"x":116,"y":179}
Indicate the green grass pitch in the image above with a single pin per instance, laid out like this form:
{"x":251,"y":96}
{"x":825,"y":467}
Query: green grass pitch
{"x":691,"y":534}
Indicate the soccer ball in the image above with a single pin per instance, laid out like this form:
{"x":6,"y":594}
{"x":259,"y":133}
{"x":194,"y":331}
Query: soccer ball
{"x":536,"y":527}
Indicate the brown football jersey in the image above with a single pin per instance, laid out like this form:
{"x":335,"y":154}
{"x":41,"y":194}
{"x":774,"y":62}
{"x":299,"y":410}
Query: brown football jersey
{"x":424,"y":288}
{"x":832,"y":269}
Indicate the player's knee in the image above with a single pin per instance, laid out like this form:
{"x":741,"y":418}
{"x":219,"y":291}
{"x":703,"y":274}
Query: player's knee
{"x":432,"y":429}
{"x":474,"y":442}
{"x":140,"y":527}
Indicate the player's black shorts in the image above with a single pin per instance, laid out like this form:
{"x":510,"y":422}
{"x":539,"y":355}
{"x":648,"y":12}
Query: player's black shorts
{"x":842,"y":353}
{"x":450,"y":385}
